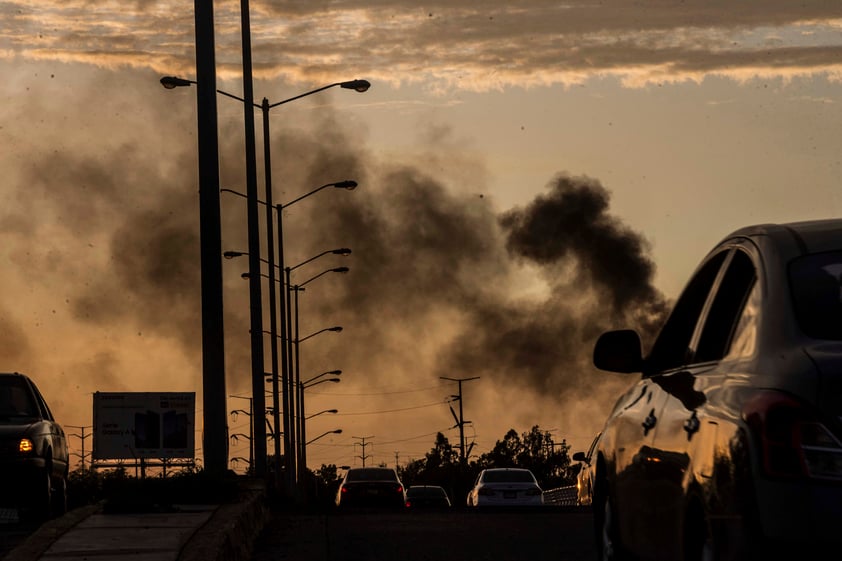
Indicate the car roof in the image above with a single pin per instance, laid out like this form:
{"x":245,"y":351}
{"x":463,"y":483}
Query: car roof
{"x":809,"y":236}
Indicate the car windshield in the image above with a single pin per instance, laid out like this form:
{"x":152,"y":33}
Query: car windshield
{"x":15,"y":399}
{"x":372,"y":474}
{"x":815,"y":281}
{"x":508,"y":477}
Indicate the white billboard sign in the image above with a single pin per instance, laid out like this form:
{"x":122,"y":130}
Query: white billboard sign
{"x":134,"y":425}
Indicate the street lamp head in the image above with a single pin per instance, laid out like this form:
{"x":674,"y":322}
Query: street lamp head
{"x":342,"y":251}
{"x":356,"y":85}
{"x":233,"y":254}
{"x":348,"y":184}
{"x":246,"y":275}
{"x":337,"y":431}
{"x":334,"y":411}
{"x":337,"y":328}
{"x":334,"y":372}
{"x":340,"y":270}
{"x":171,"y":82}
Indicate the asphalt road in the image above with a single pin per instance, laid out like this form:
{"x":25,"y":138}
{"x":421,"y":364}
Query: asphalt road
{"x":556,"y":533}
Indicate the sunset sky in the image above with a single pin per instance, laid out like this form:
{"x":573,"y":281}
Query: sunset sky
{"x":530,"y":174}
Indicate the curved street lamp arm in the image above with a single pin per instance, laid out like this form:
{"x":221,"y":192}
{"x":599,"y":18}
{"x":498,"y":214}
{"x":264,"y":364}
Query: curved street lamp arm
{"x":357,"y":85}
{"x":348,"y":184}
{"x":340,"y":251}
{"x":337,"y":329}
{"x":329,"y":372}
{"x":337,"y":431}
{"x":306,"y":386}
{"x":334,"y":270}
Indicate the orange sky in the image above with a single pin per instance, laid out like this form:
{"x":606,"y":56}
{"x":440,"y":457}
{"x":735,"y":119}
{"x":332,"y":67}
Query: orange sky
{"x":529,"y":175}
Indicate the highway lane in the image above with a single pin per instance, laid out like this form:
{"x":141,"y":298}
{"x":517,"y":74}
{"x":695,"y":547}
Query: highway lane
{"x":557,"y":533}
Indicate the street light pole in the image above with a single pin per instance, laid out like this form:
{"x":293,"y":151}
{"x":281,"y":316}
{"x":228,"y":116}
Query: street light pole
{"x":302,"y":418}
{"x":215,"y":429}
{"x":256,"y":303}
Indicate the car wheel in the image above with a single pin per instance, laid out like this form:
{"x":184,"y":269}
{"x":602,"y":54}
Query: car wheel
{"x":59,"y":496}
{"x":608,"y":543}
{"x":36,"y":510}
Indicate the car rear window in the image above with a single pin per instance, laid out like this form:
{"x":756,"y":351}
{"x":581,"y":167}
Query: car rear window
{"x":372,"y":474}
{"x":815,"y":283}
{"x":15,"y":398}
{"x":425,"y":492}
{"x":508,"y":477}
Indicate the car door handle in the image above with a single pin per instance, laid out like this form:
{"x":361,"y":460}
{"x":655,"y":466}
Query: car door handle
{"x":691,"y":425}
{"x":649,"y":422}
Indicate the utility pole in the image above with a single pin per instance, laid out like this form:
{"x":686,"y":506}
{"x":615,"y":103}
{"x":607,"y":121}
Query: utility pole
{"x":363,"y":444}
{"x":460,"y":421}
{"x":82,"y":436}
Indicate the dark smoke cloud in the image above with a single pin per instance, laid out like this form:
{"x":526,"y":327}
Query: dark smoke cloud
{"x":437,"y":278}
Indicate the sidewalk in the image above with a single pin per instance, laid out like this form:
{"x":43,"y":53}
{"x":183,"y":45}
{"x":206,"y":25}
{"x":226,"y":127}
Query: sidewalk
{"x":224,"y":532}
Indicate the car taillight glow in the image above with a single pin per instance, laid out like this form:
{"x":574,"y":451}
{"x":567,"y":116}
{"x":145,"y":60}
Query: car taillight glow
{"x":343,"y":489}
{"x":25,"y":445}
{"x":794,"y":442}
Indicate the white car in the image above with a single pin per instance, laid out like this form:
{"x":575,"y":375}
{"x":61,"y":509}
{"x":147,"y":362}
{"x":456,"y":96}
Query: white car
{"x":505,"y":487}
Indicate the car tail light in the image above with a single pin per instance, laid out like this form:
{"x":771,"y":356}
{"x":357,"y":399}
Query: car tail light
{"x":794,"y":443}
{"x":25,"y":445}
{"x":399,"y":489}
{"x":343,"y":490}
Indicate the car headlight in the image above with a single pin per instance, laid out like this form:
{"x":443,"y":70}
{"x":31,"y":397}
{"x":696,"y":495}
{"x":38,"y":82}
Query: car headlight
{"x":25,"y":446}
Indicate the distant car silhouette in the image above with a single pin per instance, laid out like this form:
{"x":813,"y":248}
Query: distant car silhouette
{"x":33,"y":451}
{"x":371,"y":487}
{"x":505,"y":487}
{"x":729,"y":443}
{"x":426,"y":496}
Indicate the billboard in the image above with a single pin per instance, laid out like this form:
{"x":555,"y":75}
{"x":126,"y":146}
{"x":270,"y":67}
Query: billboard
{"x":133,"y":425}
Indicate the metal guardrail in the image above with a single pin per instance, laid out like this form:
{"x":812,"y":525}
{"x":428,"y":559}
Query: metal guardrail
{"x":561,"y":496}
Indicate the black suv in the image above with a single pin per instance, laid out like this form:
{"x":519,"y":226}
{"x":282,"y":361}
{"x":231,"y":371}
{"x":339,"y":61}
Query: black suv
{"x":33,"y":451}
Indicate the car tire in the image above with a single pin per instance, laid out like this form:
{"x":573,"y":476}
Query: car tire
{"x":59,"y":496}
{"x":38,"y":506}
{"x":607,"y":538}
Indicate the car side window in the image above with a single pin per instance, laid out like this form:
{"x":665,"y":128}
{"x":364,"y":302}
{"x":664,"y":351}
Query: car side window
{"x":672,"y":347}
{"x":726,"y":308}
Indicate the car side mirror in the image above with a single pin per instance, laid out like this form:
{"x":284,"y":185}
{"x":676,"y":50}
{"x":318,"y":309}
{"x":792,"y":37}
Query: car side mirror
{"x":618,"y":351}
{"x":579,"y":457}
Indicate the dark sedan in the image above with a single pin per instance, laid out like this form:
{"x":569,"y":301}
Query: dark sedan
{"x":371,"y":487}
{"x":729,"y":445}
{"x":427,"y":496}
{"x":33,"y":451}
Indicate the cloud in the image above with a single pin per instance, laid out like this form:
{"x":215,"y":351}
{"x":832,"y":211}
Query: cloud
{"x":466,"y":45}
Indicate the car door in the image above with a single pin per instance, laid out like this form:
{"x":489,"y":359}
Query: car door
{"x":685,"y":434}
{"x":641,"y":498}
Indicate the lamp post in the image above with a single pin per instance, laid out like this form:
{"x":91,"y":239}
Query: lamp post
{"x":334,"y":411}
{"x":337,"y":431}
{"x":292,"y":387}
{"x":314,"y":381}
{"x":215,"y":441}
{"x":358,"y":85}
{"x":286,"y":343}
